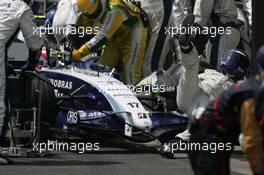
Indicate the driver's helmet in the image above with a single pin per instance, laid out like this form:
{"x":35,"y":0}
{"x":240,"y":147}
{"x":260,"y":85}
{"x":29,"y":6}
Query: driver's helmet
{"x":93,"y":8}
{"x":234,"y":63}
{"x":48,"y":24}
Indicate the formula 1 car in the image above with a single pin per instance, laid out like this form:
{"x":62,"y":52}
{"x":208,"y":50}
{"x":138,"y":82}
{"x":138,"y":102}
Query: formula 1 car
{"x":83,"y":98}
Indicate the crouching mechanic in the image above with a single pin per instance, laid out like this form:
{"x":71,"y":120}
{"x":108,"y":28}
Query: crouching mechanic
{"x":123,"y":35}
{"x":15,"y":15}
{"x":221,"y":122}
{"x":195,"y":91}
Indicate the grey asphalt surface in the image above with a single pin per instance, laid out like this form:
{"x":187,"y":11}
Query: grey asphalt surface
{"x":128,"y":160}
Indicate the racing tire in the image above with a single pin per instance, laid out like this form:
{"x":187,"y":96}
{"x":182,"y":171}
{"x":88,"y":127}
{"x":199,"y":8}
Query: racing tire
{"x":47,"y":110}
{"x":27,"y":93}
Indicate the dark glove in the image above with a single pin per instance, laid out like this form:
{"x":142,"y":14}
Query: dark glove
{"x":32,"y":61}
{"x":27,"y":67}
{"x":10,"y":70}
{"x":199,"y":40}
{"x":100,"y":67}
{"x":185,"y":39}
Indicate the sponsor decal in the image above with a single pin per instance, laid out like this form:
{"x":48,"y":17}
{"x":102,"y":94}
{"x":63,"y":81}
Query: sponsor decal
{"x":61,"y":83}
{"x":95,"y":115}
{"x":72,"y":117}
{"x":142,"y":115}
{"x":82,"y":114}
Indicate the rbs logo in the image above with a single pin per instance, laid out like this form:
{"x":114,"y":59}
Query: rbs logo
{"x":72,"y":117}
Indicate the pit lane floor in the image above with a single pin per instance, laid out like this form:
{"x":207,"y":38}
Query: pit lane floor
{"x":128,"y":160}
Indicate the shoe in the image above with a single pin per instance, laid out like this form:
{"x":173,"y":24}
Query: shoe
{"x":165,"y":151}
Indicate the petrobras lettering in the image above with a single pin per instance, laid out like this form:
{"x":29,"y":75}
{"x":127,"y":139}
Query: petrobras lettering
{"x":61,"y":83}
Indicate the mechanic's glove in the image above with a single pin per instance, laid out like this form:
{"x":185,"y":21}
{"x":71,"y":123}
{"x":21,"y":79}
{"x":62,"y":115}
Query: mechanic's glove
{"x":100,"y":67}
{"x":10,"y":70}
{"x":32,"y":60}
{"x":199,"y":40}
{"x":185,"y":39}
{"x":81,"y":52}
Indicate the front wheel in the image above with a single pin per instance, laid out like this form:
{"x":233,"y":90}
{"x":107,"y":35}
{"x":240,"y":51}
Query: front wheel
{"x":47,"y":109}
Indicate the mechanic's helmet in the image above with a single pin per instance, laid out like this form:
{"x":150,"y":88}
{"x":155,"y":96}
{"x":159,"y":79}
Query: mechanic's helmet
{"x":234,"y":64}
{"x":48,"y":24}
{"x":93,"y":8}
{"x":260,"y":60}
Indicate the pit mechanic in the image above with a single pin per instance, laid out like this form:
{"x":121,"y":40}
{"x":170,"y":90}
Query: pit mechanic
{"x":200,"y":89}
{"x":123,"y":34}
{"x":195,"y":91}
{"x":216,"y":14}
{"x":15,"y":15}
{"x":239,"y":109}
{"x":162,"y":15}
{"x":169,"y":77}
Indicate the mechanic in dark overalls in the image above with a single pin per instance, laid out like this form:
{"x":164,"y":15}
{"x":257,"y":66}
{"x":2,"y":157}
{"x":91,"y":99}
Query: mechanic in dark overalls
{"x":229,"y":114}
